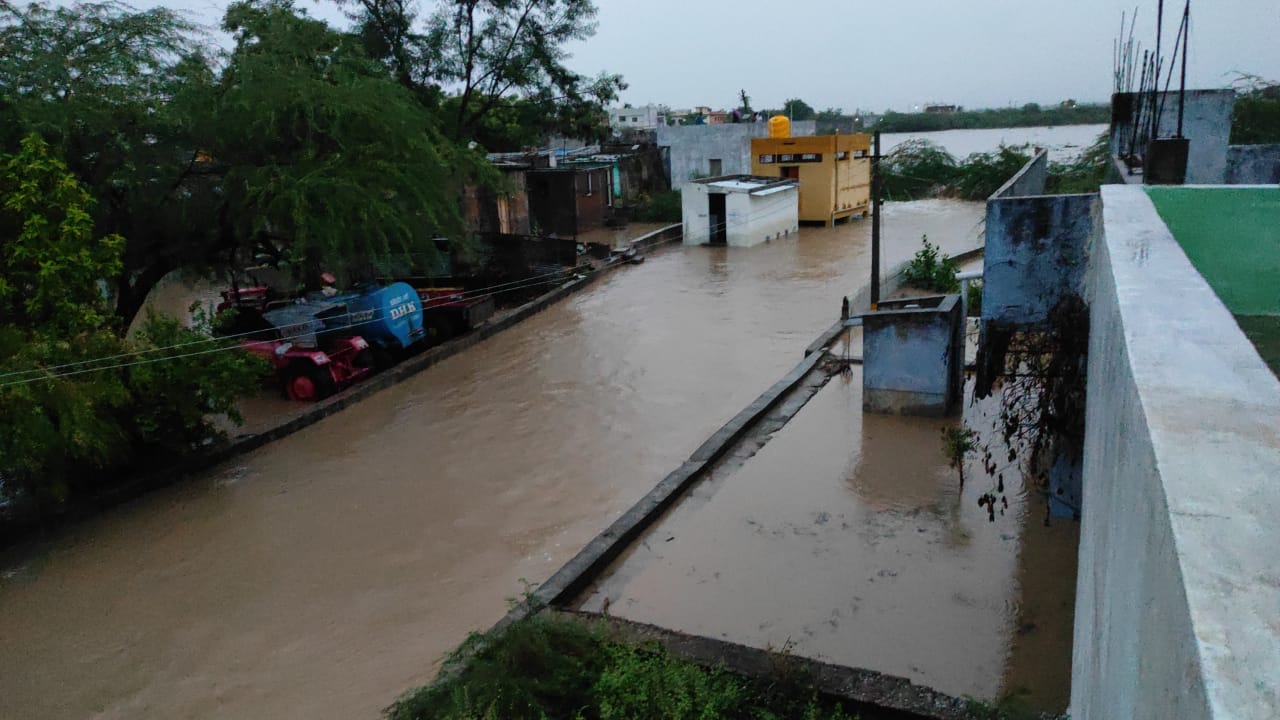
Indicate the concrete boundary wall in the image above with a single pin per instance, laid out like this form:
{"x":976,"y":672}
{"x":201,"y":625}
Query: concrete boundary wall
{"x":1253,"y":164}
{"x":1030,"y":180}
{"x":1035,"y":255}
{"x":13,"y":529}
{"x":1178,"y":596}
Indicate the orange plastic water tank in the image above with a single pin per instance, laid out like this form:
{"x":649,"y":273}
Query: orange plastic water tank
{"x":779,"y":126}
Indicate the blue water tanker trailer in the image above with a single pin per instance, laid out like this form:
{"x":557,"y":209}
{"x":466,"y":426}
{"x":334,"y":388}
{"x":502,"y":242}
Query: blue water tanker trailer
{"x":389,"y":317}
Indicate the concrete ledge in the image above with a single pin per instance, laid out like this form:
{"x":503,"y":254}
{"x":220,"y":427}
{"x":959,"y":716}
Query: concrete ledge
{"x":1178,"y":596}
{"x":867,"y":690}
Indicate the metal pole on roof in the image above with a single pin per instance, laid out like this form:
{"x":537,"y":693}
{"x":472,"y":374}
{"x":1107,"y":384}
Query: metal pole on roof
{"x":875,"y":219}
{"x":1186,"y":42}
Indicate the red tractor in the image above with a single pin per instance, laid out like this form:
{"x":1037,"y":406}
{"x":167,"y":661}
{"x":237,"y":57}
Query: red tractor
{"x":310,"y":364}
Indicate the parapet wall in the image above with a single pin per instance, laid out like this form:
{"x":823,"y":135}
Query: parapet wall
{"x":1030,"y":180}
{"x":1035,"y":255}
{"x":1206,"y":122}
{"x":1178,"y":592}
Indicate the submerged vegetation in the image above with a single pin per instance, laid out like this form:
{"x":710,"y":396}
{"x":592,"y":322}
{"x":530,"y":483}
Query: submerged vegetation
{"x":545,"y":667}
{"x":920,"y":168}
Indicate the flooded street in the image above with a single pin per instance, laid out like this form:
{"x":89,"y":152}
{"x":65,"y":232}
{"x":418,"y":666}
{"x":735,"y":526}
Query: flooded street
{"x":326,"y":573}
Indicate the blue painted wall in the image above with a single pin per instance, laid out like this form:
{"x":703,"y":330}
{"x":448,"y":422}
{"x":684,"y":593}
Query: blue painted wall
{"x":1036,"y":254}
{"x":911,"y":359}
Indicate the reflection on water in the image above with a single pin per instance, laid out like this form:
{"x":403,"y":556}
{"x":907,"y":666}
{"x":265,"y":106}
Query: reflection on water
{"x":326,"y":573}
{"x":848,"y":538}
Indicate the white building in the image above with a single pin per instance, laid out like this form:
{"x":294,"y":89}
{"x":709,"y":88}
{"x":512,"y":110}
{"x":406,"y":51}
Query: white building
{"x":739,"y":210}
{"x":645,"y":117}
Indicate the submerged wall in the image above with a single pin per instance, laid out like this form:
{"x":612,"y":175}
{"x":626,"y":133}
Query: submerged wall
{"x":1178,"y":592}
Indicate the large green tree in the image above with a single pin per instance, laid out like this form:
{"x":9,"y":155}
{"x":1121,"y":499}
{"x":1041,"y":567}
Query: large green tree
{"x":492,"y":57}
{"x":96,"y":80}
{"x":76,"y":400}
{"x":797,"y":109}
{"x":323,"y":160}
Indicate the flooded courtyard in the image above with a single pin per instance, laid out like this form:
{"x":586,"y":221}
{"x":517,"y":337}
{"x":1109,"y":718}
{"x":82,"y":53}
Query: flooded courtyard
{"x":848,"y":539}
{"x":326,"y":573}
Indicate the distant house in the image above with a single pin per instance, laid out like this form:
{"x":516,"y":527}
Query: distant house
{"x":697,"y":151}
{"x":938,"y":108}
{"x":506,"y":211}
{"x":738,"y":210}
{"x":645,"y":117}
{"x":569,"y":200}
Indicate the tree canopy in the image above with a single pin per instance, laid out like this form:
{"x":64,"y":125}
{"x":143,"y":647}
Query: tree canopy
{"x":797,"y":109}
{"x":74,"y":398}
{"x":491,"y":56}
{"x":130,"y":147}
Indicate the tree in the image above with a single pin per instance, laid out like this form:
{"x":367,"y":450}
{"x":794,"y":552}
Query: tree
{"x":496,"y":54}
{"x":797,"y":109}
{"x":324,"y":161}
{"x":744,"y":101}
{"x":75,"y":398}
{"x":95,"y":80}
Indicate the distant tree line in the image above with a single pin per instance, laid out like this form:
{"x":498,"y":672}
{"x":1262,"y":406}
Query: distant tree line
{"x":1029,"y":115}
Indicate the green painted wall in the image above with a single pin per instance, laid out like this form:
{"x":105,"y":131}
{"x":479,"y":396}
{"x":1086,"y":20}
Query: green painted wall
{"x":1232,"y":236}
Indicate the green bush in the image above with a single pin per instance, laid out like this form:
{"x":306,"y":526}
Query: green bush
{"x":547,"y":667}
{"x":1256,"y":118}
{"x":932,"y":270}
{"x":659,"y":207}
{"x":974,"y":298}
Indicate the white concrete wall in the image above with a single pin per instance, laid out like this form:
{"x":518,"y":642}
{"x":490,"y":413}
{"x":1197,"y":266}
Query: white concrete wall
{"x":695,"y":214}
{"x":1178,"y":596}
{"x":750,"y":219}
{"x":754,"y":219}
{"x":1206,"y":122}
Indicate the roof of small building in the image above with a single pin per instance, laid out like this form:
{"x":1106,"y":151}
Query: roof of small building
{"x":753,"y":184}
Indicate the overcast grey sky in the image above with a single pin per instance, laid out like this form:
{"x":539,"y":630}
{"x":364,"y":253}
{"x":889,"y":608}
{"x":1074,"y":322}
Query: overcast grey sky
{"x":877,"y":55}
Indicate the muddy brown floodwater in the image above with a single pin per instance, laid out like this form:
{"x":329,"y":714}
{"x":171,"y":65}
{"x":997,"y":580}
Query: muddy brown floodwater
{"x":325,"y":574}
{"x":848,"y":539}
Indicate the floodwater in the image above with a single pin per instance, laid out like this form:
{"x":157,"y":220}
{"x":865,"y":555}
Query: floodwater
{"x":1064,"y":142}
{"x":323,"y":575}
{"x":848,"y":539}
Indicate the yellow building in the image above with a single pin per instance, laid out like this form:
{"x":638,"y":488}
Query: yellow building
{"x":834,"y":170}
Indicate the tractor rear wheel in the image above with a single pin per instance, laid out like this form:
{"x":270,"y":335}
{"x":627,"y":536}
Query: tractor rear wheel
{"x":309,"y":383}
